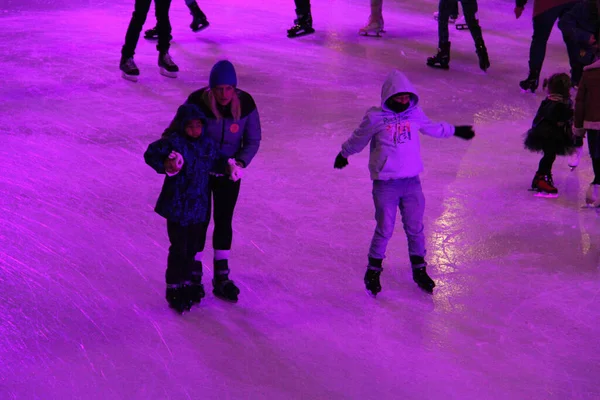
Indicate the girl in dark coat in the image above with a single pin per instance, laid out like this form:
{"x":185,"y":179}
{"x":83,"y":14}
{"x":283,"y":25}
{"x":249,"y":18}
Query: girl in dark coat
{"x":551,"y":132}
{"x":186,"y":157}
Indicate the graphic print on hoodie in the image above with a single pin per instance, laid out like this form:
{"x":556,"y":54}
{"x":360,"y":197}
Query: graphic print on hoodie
{"x":395,"y":150}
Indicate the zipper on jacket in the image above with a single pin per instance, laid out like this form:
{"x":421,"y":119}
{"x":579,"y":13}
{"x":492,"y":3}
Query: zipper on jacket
{"x":223,"y":133}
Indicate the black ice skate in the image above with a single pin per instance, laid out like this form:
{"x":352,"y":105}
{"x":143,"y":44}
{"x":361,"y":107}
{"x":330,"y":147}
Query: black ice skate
{"x":176,"y":298}
{"x":302,"y":26}
{"x":151,"y":34}
{"x":461,"y":24}
{"x":129,"y":70}
{"x":423,"y":280}
{"x":372,"y":283}
{"x":442,"y":59}
{"x":167,"y":67}
{"x":200,"y":22}
{"x":482,"y":54}
{"x":531,"y":83}
{"x":223,"y":287}
{"x":197,"y":292}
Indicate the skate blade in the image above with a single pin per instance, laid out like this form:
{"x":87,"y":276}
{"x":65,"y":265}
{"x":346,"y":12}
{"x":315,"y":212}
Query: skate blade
{"x":545,"y":195}
{"x":201,"y":28}
{"x":370,"y":294}
{"x":527,"y":91}
{"x":443,"y":67}
{"x":131,"y":78}
{"x":150,"y":37}
{"x":461,"y":27}
{"x":168,"y":74}
{"x":371,"y":33}
{"x":295,"y":35}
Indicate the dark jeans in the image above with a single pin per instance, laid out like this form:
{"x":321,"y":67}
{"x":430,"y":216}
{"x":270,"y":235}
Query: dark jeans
{"x":225,"y":194}
{"x":450,"y":7}
{"x":542,"y":27}
{"x":163,"y":26}
{"x":593,"y":138}
{"x":302,"y":7}
{"x":186,"y":241}
{"x":545,"y":167}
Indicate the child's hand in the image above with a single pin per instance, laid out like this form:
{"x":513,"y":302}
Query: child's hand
{"x":235,"y":170}
{"x":174,"y":163}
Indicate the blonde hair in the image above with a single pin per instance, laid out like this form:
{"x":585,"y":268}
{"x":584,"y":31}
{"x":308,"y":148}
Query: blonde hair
{"x":236,"y":109}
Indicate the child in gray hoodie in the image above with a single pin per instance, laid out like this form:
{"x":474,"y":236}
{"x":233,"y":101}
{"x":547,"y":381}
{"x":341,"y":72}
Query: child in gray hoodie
{"x":395,"y":163}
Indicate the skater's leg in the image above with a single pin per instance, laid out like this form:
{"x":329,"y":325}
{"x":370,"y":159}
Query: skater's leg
{"x":376,"y":10}
{"x":593,"y":137}
{"x":386,"y":196}
{"x":454,"y":10}
{"x":195,"y":247}
{"x":470,"y":9}
{"x":225,"y":194}
{"x":542,"y":27}
{"x":412,"y":208}
{"x":545,"y":166}
{"x":302,"y":7}
{"x":163,"y":25}
{"x":176,"y":266}
{"x":444,"y":9}
{"x":132,"y":36}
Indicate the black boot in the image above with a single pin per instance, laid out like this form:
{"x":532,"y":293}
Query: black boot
{"x":484,"y":60}
{"x":532,"y":82}
{"x":200,"y":22}
{"x":302,"y":26}
{"x":223,"y":287}
{"x":420,"y":274}
{"x":442,"y":58}
{"x":151,"y":34}
{"x":197,"y":292}
{"x":175,"y":298}
{"x":128,"y":69}
{"x":371,"y":279}
{"x":167,"y":67}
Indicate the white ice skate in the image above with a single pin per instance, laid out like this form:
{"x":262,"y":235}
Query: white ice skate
{"x":374,"y":27}
{"x":575,"y":158}
{"x":592,"y":196}
{"x":461,"y":23}
{"x":451,"y":19}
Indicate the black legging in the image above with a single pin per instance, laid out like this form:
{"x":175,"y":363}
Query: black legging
{"x":447,"y":8}
{"x":593,"y":138}
{"x":545,"y":167}
{"x":225,"y":194}
{"x":163,"y":26}
{"x":302,"y":7}
{"x":186,"y":241}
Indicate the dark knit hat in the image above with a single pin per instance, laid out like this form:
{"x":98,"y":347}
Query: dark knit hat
{"x":222,"y":73}
{"x":187,"y":113}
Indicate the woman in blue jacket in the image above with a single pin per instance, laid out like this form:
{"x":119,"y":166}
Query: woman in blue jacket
{"x":233,"y":123}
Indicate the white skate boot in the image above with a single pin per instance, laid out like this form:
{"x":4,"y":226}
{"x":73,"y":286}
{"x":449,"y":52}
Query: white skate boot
{"x":575,"y":158}
{"x":592,"y":196}
{"x":372,"y":28}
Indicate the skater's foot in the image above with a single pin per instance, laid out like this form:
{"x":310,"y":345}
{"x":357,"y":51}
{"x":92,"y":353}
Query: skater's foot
{"x":442,"y":58}
{"x":151,"y":34}
{"x":482,"y":54}
{"x":592,"y":196}
{"x":531,"y":83}
{"x":302,"y":26}
{"x":223,"y":287}
{"x":167,"y":67}
{"x":543,"y":185}
{"x":197,"y":292}
{"x":371,"y":279}
{"x":422,"y":279}
{"x":200,"y":22}
{"x":176,"y":298}
{"x":129,"y":70}
{"x":373,"y":27}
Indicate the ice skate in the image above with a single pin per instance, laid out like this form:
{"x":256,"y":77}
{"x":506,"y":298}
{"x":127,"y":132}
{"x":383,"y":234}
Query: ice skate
{"x":422,"y":279}
{"x":200,"y":22}
{"x":197,"y":292}
{"x":575,"y":158}
{"x":442,"y":59}
{"x":302,"y":26}
{"x":129,"y":70}
{"x":452,"y":19}
{"x":592,"y":196}
{"x":374,"y":27}
{"x":167,"y":67}
{"x":372,"y":283}
{"x":461,"y":24}
{"x":176,"y":298}
{"x":223,"y":287}
{"x":482,"y":54}
{"x":531,"y":83}
{"x":543,"y":186}
{"x":151,"y":34}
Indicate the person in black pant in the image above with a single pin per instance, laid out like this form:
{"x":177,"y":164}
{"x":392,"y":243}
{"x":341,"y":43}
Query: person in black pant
{"x":303,"y":22}
{"x":234,"y":124}
{"x":167,"y":67}
{"x":199,"y":20}
{"x":186,"y":158}
{"x":446,"y":8}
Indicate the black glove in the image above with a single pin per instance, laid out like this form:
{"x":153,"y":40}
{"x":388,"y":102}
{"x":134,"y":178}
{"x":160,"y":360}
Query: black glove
{"x":340,"y":161}
{"x":464,"y":132}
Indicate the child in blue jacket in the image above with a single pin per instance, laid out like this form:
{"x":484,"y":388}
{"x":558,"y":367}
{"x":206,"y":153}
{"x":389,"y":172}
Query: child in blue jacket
{"x":395,"y":164}
{"x":186,"y":157}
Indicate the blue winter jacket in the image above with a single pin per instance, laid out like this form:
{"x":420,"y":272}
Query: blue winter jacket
{"x":185,"y":197}
{"x":235,"y":139}
{"x":394,"y":137}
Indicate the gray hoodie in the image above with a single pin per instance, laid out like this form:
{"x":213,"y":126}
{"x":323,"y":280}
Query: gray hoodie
{"x":395,"y":146}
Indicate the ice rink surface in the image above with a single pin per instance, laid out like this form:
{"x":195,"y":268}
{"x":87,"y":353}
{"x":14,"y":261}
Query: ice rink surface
{"x":514,"y":316}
